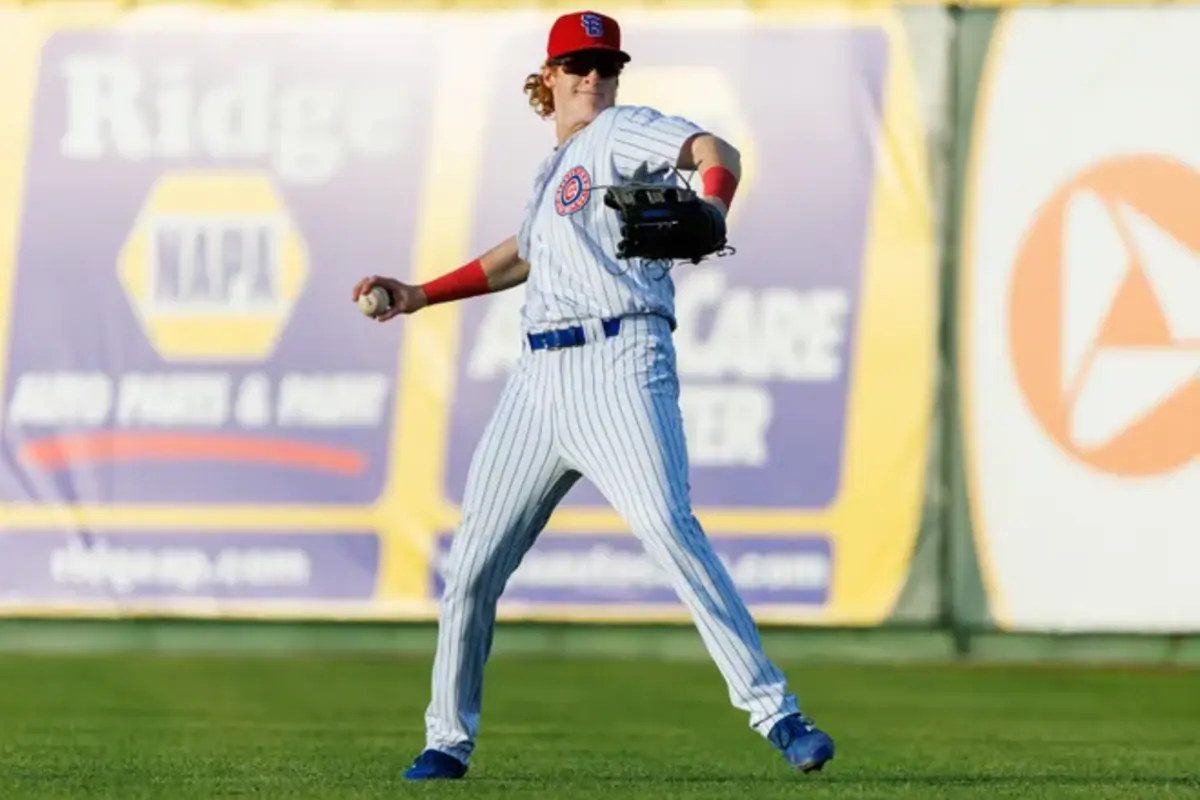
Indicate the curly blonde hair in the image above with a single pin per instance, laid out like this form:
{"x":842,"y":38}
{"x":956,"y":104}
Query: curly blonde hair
{"x":541,"y":99}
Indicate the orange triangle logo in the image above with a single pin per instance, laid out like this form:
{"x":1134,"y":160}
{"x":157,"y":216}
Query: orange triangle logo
{"x":1135,"y":319}
{"x":1095,"y":339}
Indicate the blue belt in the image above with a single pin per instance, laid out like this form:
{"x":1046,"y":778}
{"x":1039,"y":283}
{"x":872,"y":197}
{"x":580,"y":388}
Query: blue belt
{"x":570,"y":337}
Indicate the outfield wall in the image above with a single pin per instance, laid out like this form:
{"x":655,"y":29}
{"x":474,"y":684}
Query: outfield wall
{"x":951,"y":378}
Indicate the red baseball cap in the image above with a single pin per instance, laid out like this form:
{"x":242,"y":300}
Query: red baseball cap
{"x":584,"y":30}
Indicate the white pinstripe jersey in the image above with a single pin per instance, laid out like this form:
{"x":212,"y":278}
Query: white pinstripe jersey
{"x":569,"y":237}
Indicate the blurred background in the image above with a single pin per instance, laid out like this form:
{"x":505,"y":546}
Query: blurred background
{"x":946,"y":388}
{"x":942,"y":405}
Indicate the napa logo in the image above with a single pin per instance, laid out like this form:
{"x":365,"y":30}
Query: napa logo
{"x":213,"y":266}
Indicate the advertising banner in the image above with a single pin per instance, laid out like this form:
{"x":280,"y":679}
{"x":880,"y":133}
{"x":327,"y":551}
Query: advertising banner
{"x":197,"y":196}
{"x":805,"y":360}
{"x":1080,"y":318}
{"x":190,"y":222}
{"x":196,"y":416}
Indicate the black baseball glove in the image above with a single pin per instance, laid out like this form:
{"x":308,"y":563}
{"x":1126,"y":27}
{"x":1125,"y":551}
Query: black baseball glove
{"x":665,"y":222}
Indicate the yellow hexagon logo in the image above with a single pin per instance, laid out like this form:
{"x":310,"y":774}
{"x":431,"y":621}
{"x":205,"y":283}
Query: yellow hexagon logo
{"x":213,"y":266}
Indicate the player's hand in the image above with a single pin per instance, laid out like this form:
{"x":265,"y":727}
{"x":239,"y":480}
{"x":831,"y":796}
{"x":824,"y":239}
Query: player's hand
{"x":406,"y":299}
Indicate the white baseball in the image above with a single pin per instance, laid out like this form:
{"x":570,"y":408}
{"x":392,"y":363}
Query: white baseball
{"x":374,"y":302}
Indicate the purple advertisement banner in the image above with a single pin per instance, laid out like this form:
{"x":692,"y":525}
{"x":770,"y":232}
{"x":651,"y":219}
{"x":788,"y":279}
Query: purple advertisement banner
{"x":52,"y":567}
{"x":765,"y":336}
{"x":614,"y":569}
{"x":192,"y":339}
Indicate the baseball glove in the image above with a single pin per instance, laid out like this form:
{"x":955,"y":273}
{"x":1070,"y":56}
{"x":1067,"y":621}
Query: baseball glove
{"x":665,"y":222}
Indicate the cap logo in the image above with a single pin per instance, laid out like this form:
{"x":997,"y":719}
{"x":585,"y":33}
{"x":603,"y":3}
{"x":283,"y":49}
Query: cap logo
{"x":593,"y":26}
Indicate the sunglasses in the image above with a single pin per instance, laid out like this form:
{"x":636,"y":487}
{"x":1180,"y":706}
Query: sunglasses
{"x":582,"y":64}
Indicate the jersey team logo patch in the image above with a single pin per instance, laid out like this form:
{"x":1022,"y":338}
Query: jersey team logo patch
{"x":574,"y":192}
{"x":1104,"y":318}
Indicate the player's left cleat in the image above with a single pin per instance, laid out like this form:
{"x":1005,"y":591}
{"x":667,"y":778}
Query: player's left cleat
{"x":805,"y":746}
{"x":434,"y":765}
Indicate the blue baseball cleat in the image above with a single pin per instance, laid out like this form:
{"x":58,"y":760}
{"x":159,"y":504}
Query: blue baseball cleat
{"x":434,"y":765}
{"x":805,"y":747}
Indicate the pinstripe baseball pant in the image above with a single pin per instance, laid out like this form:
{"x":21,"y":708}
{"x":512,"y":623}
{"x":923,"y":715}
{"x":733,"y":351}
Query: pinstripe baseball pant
{"x":607,"y":410}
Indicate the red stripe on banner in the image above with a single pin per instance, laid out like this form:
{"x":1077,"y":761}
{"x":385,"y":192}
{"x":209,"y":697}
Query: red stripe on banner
{"x":60,"y":452}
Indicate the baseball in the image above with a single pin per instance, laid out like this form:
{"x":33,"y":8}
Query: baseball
{"x":375,"y":302}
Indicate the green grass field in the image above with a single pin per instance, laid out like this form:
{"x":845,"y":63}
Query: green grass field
{"x":175,"y":728}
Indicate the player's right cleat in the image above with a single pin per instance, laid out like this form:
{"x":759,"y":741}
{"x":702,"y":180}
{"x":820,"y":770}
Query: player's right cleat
{"x":435,"y":765}
{"x":805,"y":746}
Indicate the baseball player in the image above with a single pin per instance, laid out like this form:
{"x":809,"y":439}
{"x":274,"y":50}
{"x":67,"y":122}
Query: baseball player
{"x":595,"y":393}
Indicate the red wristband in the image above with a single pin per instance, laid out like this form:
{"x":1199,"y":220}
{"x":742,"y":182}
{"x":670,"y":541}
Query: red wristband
{"x":468,"y":280}
{"x":720,"y":183}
